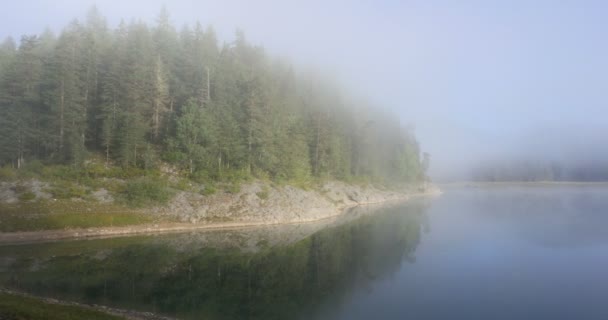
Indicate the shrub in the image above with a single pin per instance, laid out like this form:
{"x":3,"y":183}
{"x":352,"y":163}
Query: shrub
{"x":128,"y":172}
{"x":34,"y":167}
{"x":233,"y":188}
{"x":147,"y":191}
{"x":263,"y":175}
{"x":7,"y":173}
{"x":113,"y":186}
{"x":149,"y":158}
{"x":68,"y":190}
{"x":20,"y":188}
{"x":234,"y":176}
{"x":208,"y":190}
{"x":182,"y":184}
{"x":27,"y":196}
{"x":200,"y":176}
{"x":264,"y":193}
{"x":96,"y":170}
{"x":61,"y":173}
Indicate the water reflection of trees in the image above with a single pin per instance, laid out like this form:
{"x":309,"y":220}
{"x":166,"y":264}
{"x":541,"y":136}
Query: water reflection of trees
{"x":283,"y":281}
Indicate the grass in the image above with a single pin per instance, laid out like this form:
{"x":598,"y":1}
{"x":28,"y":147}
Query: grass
{"x":27,"y":196}
{"x":68,"y":190}
{"x":208,"y":190}
{"x":73,"y":205}
{"x":54,"y":215}
{"x":18,"y":307}
{"x":233,"y":188}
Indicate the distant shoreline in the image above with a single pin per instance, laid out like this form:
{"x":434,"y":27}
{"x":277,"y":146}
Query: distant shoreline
{"x":521,"y":183}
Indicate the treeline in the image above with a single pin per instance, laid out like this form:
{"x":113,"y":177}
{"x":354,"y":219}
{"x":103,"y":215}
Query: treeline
{"x":137,"y":95}
{"x":540,"y":171}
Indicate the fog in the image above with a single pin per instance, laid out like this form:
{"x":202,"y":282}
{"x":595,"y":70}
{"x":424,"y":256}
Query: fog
{"x":479,"y":80}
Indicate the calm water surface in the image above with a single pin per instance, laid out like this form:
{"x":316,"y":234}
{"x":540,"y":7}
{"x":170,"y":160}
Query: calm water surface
{"x":473,"y":253}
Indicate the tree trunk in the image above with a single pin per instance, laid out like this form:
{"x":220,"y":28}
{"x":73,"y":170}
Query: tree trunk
{"x":61,"y":113}
{"x":219,"y":164}
{"x":107,"y":154}
{"x":156,"y":117}
{"x":250,"y":133}
{"x":86,"y":104}
{"x":208,"y":85}
{"x":317,"y":144}
{"x":249,"y":138}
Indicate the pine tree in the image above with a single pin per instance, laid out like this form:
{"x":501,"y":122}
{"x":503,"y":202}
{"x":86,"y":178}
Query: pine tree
{"x":160,"y":97}
{"x":112,"y":77}
{"x":136,"y":92}
{"x":19,"y":98}
{"x":67,"y":94}
{"x":193,"y":135}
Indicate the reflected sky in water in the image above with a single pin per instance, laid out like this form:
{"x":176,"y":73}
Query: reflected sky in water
{"x":502,"y":253}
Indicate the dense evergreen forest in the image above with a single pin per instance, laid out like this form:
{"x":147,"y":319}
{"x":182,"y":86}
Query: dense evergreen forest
{"x":137,"y":96}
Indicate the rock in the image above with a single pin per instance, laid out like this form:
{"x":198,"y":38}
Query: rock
{"x":280,"y":204}
{"x":7,"y":193}
{"x":102,"y":195}
{"x":37,"y":188}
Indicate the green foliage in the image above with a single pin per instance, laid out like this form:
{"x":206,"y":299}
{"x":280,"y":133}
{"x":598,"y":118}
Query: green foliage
{"x":96,"y":171}
{"x":234,"y":176}
{"x":61,"y":172}
{"x":68,"y":190}
{"x":183,"y":185}
{"x":27,"y":196}
{"x":208,"y":190}
{"x":20,"y":188}
{"x":62,"y":214}
{"x":149,"y":158}
{"x":233,"y":188}
{"x":93,"y":171}
{"x":70,"y":221}
{"x":200,"y":176}
{"x":264,"y":194}
{"x":7,"y":173}
{"x":147,"y":191}
{"x":34,"y":167}
{"x":139,"y":94}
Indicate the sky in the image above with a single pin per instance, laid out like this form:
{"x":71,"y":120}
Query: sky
{"x":477,"y":79}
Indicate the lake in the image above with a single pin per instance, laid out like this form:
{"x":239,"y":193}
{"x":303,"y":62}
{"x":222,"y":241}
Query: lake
{"x":501,"y":252}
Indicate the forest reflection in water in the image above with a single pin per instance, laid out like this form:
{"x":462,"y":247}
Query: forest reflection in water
{"x":261,"y":273}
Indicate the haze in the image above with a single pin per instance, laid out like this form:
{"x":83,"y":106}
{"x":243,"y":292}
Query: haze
{"x":478,"y":79}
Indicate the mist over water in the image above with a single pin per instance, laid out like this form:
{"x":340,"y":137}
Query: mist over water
{"x":278,"y":96}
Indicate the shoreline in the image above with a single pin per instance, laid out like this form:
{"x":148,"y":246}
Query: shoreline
{"x":28,"y":237}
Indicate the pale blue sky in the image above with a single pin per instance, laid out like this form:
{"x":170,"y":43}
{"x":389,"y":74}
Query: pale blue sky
{"x":477,"y":78}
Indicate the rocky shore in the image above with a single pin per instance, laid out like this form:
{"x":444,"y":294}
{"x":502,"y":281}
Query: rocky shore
{"x":255,"y":204}
{"x":258,"y":202}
